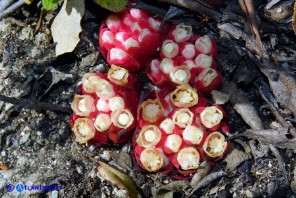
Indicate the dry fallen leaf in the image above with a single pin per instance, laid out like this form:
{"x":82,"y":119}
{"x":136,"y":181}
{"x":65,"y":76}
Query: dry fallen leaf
{"x":66,"y":26}
{"x":235,"y":158}
{"x":201,"y":173}
{"x":117,"y":178}
{"x":5,"y":168}
{"x":279,"y":137}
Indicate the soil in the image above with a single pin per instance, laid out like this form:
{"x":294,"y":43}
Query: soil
{"x":38,"y":146}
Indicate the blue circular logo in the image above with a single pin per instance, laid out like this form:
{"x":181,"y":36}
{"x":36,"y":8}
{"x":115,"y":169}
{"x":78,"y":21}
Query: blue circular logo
{"x":19,"y":187}
{"x":9,"y":187}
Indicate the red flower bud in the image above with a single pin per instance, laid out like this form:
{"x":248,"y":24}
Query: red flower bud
{"x":188,"y":50}
{"x":172,"y":144}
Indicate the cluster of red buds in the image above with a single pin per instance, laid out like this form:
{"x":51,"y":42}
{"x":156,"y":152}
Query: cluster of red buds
{"x":177,"y":129}
{"x":105,"y":110}
{"x":186,"y":58}
{"x":130,"y":39}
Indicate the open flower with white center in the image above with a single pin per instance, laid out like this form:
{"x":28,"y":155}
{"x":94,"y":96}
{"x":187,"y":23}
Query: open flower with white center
{"x":204,"y":45}
{"x":188,"y":158}
{"x":215,"y":145}
{"x":184,"y":96}
{"x":116,"y":103}
{"x":169,"y":49}
{"x":183,"y":117}
{"x":83,"y":129}
{"x":172,"y":143}
{"x":102,"y":122}
{"x":167,"y":126}
{"x":149,"y":136}
{"x":118,"y":75}
{"x":180,"y":75}
{"x":208,"y":80}
{"x":207,"y":76}
{"x":152,"y":110}
{"x":122,"y":118}
{"x":105,"y":90}
{"x":211,"y":116}
{"x":151,"y":159}
{"x":89,"y":82}
{"x":193,"y":135}
{"x":83,"y":105}
{"x":181,"y":33}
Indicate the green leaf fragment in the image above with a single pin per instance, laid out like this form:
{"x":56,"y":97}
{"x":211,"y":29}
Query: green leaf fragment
{"x":114,"y":5}
{"x":49,"y":4}
{"x":117,"y":178}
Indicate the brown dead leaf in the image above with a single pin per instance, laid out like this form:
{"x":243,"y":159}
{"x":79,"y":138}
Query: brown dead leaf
{"x":235,"y":158}
{"x":117,"y":178}
{"x":242,"y":105}
{"x":5,"y":168}
{"x":201,"y":173}
{"x":282,"y":84}
{"x":277,"y":137}
{"x":66,"y":26}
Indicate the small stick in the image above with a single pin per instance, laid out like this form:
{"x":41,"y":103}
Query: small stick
{"x":31,"y":104}
{"x":11,"y":8}
{"x":208,"y":179}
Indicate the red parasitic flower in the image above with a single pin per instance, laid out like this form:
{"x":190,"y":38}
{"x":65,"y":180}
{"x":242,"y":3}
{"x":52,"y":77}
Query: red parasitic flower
{"x":83,"y":105}
{"x":125,"y":40}
{"x":83,"y":129}
{"x":108,"y":107}
{"x":208,"y":80}
{"x":215,"y":145}
{"x":169,"y":49}
{"x":181,"y":33}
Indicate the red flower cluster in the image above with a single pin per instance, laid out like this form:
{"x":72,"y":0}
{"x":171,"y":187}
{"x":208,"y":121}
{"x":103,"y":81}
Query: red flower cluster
{"x":175,"y":128}
{"x":105,"y":110}
{"x":185,"y":58}
{"x":130,"y":39}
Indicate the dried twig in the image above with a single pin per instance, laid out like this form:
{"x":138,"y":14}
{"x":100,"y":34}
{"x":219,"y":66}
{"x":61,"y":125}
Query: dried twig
{"x":208,"y":179}
{"x":196,"y":7}
{"x":30,"y":104}
{"x":4,"y":4}
{"x":248,"y":9}
{"x":11,"y":8}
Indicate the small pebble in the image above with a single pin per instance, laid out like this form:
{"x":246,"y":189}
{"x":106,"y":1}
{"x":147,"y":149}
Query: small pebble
{"x":3,"y":153}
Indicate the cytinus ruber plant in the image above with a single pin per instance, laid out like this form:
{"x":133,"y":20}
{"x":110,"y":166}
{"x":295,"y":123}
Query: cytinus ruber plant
{"x":130,"y":39}
{"x":105,"y":108}
{"x":186,"y":58}
{"x":176,"y":130}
